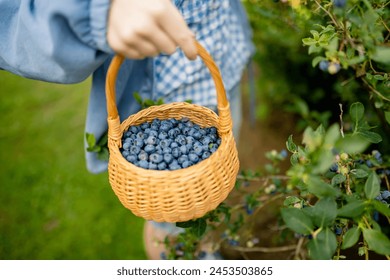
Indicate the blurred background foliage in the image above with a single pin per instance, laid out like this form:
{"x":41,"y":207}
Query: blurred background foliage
{"x":51,"y":207}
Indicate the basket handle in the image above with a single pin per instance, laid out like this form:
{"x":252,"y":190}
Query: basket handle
{"x":223,"y":103}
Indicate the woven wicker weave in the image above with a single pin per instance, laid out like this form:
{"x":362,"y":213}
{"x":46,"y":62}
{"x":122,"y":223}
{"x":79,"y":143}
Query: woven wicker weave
{"x":180,"y":195}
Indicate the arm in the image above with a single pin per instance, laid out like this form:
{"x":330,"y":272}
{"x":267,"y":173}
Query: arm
{"x":56,"y":41}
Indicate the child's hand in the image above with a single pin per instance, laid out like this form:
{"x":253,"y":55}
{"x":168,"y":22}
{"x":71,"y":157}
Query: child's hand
{"x":139,"y":28}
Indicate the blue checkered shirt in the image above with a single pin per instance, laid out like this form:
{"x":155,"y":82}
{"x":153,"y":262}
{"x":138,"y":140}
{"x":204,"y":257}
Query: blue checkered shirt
{"x":220,"y":28}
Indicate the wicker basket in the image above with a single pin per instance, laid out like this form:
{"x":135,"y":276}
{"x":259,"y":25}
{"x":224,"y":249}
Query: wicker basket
{"x":180,"y":195}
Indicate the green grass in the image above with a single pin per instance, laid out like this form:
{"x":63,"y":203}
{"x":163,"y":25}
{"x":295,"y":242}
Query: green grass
{"x":51,"y":207}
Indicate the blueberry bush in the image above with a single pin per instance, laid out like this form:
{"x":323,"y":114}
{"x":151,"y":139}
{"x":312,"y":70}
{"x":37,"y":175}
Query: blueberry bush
{"x":331,"y":60}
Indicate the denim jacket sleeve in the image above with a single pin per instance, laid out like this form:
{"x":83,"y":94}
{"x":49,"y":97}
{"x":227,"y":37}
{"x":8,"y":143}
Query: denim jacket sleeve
{"x":55,"y":41}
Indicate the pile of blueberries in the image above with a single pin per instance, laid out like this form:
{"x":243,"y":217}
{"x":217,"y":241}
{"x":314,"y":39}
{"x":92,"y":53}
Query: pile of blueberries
{"x":168,"y":144}
{"x":384,"y":197}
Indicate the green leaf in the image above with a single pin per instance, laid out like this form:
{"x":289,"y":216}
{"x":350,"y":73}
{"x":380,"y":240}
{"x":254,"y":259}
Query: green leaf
{"x":356,"y":111}
{"x":199,"y":228}
{"x":294,"y":159}
{"x":370,"y":136}
{"x":324,"y":160}
{"x":382,"y":55}
{"x":103,"y":154}
{"x":323,"y":246}
{"x":351,"y":237}
{"x":332,"y":135}
{"x":309,"y":41}
{"x":297,"y":220}
{"x":324,"y":212}
{"x":291,"y":147}
{"x":319,"y":188}
{"x":372,"y":186}
{"x":381,"y":207}
{"x":103,"y":140}
{"x":186,"y":224}
{"x":352,"y":144}
{"x":351,"y":209}
{"x":90,"y":139}
{"x":338,"y":179}
{"x":377,"y":241}
{"x":138,"y":98}
{"x":317,"y":60}
{"x":387,"y":116}
{"x":359,"y":173}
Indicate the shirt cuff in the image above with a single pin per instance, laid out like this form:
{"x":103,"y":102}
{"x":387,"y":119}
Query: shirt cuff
{"x":98,"y":21}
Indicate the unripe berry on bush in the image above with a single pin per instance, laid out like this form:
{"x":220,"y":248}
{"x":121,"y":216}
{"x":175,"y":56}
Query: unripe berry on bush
{"x":333,"y":68}
{"x":344,"y":156}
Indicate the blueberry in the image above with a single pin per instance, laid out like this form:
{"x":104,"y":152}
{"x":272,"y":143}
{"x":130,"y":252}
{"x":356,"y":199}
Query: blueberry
{"x":134,"y":150}
{"x":165,"y":143}
{"x":174,"y":166}
{"x":323,"y":65}
{"x":185,"y":119}
{"x":151,"y":140}
{"x":141,"y":135}
{"x":191,"y":131}
{"x":154,"y":127}
{"x":131,"y":158}
{"x":127,"y":134}
{"x":193,"y":157}
{"x":198,"y":150}
{"x":125,"y":153}
{"x":334,"y":167}
{"x":181,"y":139}
{"x":385,"y":194}
{"x":165,"y":125}
{"x":183,"y":149}
{"x":174,"y":144}
{"x":134,"y":129}
{"x":126,"y":146}
{"x":339,"y":3}
{"x":197,"y":135}
{"x":213,"y":130}
{"x":176,"y":152}
{"x":153,"y":132}
{"x":156,"y":158}
{"x":182,"y":159}
{"x":173,"y":121}
{"x":213,"y":147}
{"x":152,"y":166}
{"x":129,"y":140}
{"x":185,"y":130}
{"x":167,"y":150}
{"x":205,"y":140}
{"x":283,"y":153}
{"x":150,"y":149}
{"x":139,"y":142}
{"x":156,"y":122}
{"x":338,"y":230}
{"x":206,"y":154}
{"x":369,"y":163}
{"x":162,"y":166}
{"x":173,"y":133}
{"x":168,"y":158}
{"x":143,"y":156}
{"x":147,"y":131}
{"x":186,"y":164}
{"x":143,"y":164}
{"x":145,"y":125}
{"x":162,"y":135}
